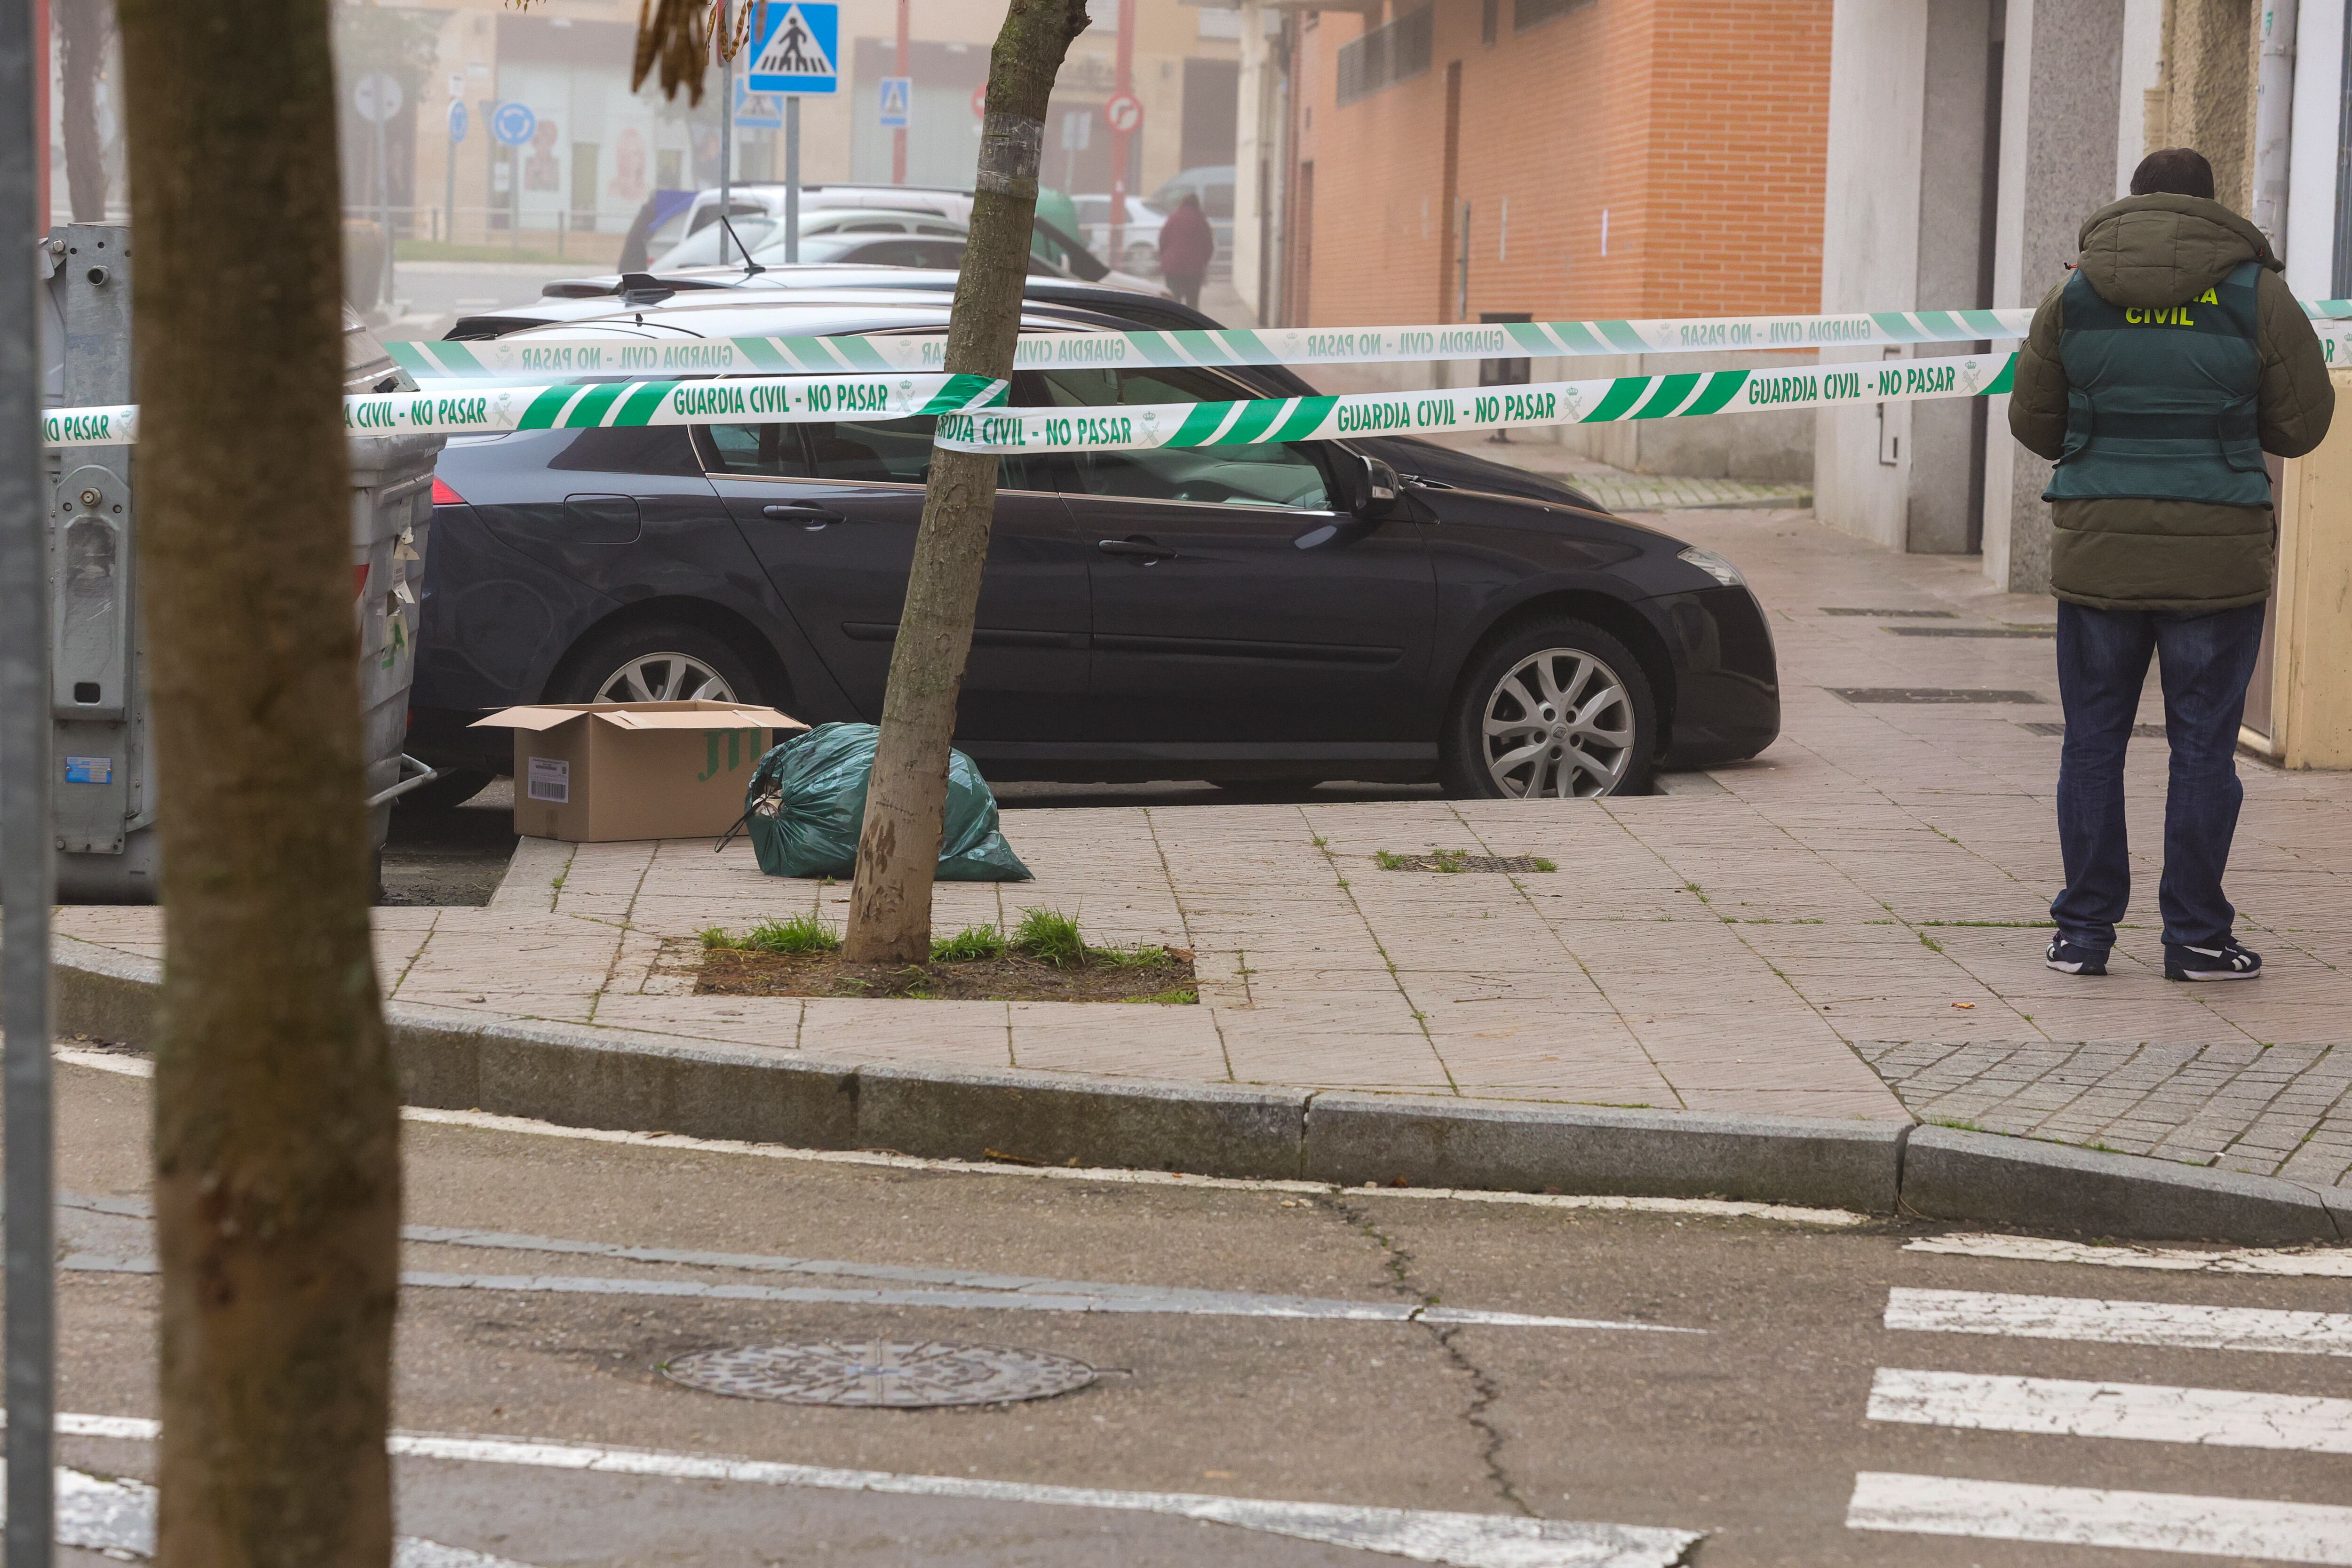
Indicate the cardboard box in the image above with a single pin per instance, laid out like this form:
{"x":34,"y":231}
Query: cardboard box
{"x":592,"y":773}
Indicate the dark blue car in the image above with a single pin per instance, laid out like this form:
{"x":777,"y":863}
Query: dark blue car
{"x":1364,"y":609}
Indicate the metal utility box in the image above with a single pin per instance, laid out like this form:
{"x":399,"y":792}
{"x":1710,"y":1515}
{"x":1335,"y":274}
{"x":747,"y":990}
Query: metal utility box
{"x":105,"y":790}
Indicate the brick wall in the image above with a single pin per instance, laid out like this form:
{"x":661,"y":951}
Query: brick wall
{"x":1698,"y":127}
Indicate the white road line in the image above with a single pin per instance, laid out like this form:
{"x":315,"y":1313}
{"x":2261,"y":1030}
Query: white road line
{"x":1464,"y":1540}
{"x":2153,"y":1413}
{"x":2120,"y":1323}
{"x":1712,"y":1208}
{"x":2080,"y":1516}
{"x":2332,"y":1263}
{"x":118,"y":1518}
{"x":1072,"y":1297}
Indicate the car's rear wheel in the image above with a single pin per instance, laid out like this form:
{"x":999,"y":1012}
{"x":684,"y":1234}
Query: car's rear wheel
{"x":1557,"y":709}
{"x":662,"y":662}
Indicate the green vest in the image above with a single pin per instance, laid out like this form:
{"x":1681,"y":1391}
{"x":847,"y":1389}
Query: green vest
{"x":2160,"y":400}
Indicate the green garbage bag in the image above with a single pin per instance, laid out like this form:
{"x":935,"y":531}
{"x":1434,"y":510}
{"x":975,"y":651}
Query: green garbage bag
{"x":807,"y":804}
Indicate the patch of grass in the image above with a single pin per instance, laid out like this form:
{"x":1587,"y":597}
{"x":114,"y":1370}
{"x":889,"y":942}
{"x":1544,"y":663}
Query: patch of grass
{"x":1543,"y":864}
{"x":1176,"y":997}
{"x":1142,"y":957}
{"x":1389,"y":861}
{"x":967,"y":945}
{"x":1050,"y":937}
{"x":801,"y":933}
{"x":1957,"y":1124}
{"x":1929,"y":942}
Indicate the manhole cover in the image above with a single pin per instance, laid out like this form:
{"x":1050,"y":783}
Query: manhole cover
{"x":898,"y":1375}
{"x":2140,"y":732}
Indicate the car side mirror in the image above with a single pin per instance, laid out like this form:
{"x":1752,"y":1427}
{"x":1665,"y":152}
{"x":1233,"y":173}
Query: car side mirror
{"x":1379,"y":492}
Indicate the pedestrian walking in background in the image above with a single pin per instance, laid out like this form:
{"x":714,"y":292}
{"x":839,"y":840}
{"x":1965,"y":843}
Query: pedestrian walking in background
{"x":2157,"y":375}
{"x":1186,"y":244}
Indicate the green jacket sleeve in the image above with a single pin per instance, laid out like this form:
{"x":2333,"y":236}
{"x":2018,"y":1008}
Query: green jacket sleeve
{"x":2037,"y":403}
{"x":2296,"y":399}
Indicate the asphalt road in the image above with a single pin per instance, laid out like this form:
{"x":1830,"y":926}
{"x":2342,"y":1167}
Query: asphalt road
{"x":1715,"y":1373}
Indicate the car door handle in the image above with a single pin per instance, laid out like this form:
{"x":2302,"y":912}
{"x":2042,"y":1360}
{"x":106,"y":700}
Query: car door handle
{"x":1145,"y":550}
{"x":807,"y":513}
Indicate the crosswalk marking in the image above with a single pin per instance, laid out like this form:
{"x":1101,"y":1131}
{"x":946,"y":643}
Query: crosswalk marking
{"x":2153,"y":1413}
{"x":2088,"y":1318}
{"x":2083,"y":1516}
{"x":2326,"y":1262}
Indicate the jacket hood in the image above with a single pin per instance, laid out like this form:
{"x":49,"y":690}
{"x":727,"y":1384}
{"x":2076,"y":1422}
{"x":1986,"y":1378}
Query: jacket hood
{"x":2166,"y":249}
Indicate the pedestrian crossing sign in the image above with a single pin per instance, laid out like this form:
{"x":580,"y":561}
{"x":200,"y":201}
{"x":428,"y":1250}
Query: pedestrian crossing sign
{"x":798,"y":49}
{"x":896,"y":92}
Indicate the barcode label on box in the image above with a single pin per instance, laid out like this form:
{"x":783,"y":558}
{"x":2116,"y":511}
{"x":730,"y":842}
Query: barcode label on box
{"x":550,"y":780}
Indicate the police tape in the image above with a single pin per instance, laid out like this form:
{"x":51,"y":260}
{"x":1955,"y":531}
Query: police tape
{"x":1132,"y":427}
{"x":575,"y":406}
{"x":608,"y":352}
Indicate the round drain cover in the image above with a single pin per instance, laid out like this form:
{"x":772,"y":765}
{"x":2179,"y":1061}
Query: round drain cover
{"x":898,"y":1374}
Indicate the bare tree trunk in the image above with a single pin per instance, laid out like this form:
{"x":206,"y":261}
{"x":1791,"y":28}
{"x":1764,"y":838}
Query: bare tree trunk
{"x":83,"y":26}
{"x":899,"y":847}
{"x":276,"y":1129}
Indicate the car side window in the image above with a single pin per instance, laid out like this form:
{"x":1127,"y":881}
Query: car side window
{"x":1266,"y":474}
{"x":868,"y":452}
{"x":772,"y":451}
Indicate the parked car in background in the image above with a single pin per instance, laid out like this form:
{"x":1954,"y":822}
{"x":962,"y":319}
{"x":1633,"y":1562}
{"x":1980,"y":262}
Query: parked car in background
{"x":1139,"y":248}
{"x":1214,"y":185}
{"x":764,"y":232}
{"x":1286,"y":612}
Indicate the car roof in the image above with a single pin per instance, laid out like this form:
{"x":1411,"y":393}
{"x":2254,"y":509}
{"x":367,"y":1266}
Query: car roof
{"x":812,"y":314}
{"x":590,"y":298}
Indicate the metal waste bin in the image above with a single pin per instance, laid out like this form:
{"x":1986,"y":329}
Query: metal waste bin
{"x":105,"y":792}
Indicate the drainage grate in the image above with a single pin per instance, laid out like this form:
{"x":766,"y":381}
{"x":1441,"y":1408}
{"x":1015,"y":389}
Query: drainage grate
{"x":1458,"y":861}
{"x":1970,"y":631}
{"x":894,"y":1375}
{"x":1921,"y":615}
{"x":2047,"y":727}
{"x":1861,"y":694}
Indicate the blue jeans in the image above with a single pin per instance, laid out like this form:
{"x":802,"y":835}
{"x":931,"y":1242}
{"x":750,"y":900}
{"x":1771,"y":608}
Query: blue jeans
{"x":2206,"y":661}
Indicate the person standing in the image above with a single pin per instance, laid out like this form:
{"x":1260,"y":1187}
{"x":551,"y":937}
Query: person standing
{"x":1186,"y":244}
{"x":2157,"y":375}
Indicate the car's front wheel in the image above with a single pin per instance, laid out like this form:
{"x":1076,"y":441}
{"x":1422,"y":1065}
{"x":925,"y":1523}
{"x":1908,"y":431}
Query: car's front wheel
{"x":663,"y":661}
{"x":1558,"y":709}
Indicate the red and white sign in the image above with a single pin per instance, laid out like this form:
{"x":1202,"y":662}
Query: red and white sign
{"x":979,"y":101}
{"x":1123,"y":111}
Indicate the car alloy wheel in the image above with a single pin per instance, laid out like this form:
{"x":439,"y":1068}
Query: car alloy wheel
{"x":1559,"y":723}
{"x":665,"y":678}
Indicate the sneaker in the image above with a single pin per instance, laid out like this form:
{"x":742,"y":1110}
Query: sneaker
{"x":2227,"y":962}
{"x":2067,"y":958}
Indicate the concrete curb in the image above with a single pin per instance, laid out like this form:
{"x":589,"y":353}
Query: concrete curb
{"x":584,"y":1076}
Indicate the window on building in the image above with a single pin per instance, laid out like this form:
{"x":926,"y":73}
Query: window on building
{"x":1525,"y":14}
{"x":1385,"y":56}
{"x":1490,"y":21}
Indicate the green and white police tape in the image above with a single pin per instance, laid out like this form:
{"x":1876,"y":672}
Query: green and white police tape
{"x":578,"y":405}
{"x":611,"y":351}
{"x":1116,"y":427}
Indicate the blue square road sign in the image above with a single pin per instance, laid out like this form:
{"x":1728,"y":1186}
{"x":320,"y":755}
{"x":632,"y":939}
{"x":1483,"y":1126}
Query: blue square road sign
{"x":898,"y":94}
{"x":798,"y":49}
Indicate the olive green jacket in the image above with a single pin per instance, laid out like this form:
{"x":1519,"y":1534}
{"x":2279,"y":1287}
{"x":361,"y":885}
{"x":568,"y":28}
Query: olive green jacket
{"x":2181,"y":556}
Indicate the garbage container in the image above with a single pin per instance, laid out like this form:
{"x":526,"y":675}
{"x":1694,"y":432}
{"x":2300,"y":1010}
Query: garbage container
{"x":105,"y":796}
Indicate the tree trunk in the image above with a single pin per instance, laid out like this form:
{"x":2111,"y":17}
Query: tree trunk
{"x":83,"y":28}
{"x":276,"y":1129}
{"x":899,"y":847}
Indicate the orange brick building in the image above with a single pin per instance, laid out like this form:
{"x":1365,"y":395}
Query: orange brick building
{"x":1566,"y":158}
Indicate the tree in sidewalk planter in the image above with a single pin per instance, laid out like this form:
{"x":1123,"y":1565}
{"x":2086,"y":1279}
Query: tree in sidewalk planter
{"x":899,"y":847}
{"x":277,"y":1116}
